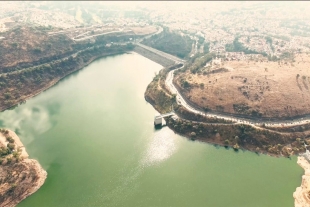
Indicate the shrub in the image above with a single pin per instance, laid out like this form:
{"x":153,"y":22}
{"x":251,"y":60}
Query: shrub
{"x":9,"y":160}
{"x":236,"y":147}
{"x":4,"y":151}
{"x":10,"y":139}
{"x":11,"y":146}
{"x":37,"y":50}
{"x":7,"y":95}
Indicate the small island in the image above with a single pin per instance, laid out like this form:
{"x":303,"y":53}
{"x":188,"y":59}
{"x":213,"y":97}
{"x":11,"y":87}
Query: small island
{"x":19,"y":176}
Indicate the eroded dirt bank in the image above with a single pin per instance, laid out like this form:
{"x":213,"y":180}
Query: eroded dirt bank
{"x":302,"y":193}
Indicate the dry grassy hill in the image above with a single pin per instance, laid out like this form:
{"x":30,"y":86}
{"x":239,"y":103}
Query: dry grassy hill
{"x":28,"y":44}
{"x":28,"y":66}
{"x":267,"y":89}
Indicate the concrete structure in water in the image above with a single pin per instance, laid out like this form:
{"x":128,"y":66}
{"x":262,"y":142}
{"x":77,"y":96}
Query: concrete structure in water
{"x":158,"y":119}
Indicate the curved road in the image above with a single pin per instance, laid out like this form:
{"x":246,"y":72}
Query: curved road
{"x":88,"y":37}
{"x":58,"y":60}
{"x":181,"y":100}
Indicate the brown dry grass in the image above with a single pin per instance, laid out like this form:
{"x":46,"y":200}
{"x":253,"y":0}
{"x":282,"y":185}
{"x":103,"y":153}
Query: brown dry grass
{"x":271,"y":88}
{"x":19,"y":45}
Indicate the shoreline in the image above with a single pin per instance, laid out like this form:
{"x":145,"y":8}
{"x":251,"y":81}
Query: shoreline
{"x":55,"y":81}
{"x":252,"y":137}
{"x":302,"y":193}
{"x":30,"y":167}
{"x":19,"y":178}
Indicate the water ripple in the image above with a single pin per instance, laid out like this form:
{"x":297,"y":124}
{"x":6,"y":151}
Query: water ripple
{"x":159,"y":149}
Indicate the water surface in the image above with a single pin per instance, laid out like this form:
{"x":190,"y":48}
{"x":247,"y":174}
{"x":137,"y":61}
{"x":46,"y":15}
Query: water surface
{"x":93,"y":133}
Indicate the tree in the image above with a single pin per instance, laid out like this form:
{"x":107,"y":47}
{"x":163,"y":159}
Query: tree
{"x":186,"y":84}
{"x":10,"y":139}
{"x":174,"y":97}
{"x":202,"y":85}
{"x":7,"y":95}
{"x":4,"y":151}
{"x":37,"y":50}
{"x":9,"y":160}
{"x":236,"y":147}
{"x":10,"y":146}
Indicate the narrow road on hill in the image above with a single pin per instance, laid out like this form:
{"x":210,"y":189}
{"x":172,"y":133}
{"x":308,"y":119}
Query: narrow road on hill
{"x":249,"y":121}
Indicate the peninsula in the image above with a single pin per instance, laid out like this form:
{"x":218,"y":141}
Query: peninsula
{"x":195,"y":94}
{"x":19,"y":176}
{"x":277,"y":131}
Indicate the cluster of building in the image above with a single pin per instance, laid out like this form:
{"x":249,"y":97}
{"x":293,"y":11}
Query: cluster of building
{"x":2,"y":27}
{"x":123,"y":22}
{"x":47,"y":18}
{"x":287,"y":26}
{"x":253,"y":25}
{"x":257,"y":43}
{"x":234,"y":56}
{"x":219,"y":47}
{"x":231,"y":56}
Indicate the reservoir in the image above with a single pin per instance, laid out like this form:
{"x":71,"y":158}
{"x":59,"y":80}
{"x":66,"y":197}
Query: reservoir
{"x":93,"y":133}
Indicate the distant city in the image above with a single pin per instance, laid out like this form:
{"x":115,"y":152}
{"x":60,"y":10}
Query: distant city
{"x":271,"y":28}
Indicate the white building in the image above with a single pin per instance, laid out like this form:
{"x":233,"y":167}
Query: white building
{"x":158,"y":120}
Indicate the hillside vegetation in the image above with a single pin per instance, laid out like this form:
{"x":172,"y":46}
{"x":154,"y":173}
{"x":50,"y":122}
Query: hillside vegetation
{"x":37,"y":61}
{"x":171,"y":42}
{"x":217,"y":131}
{"x":256,"y":89}
{"x":27,"y":46}
{"x":18,"y":86}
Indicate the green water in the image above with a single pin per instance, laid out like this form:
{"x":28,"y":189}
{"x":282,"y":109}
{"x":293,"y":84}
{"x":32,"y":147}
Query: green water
{"x":93,"y":133}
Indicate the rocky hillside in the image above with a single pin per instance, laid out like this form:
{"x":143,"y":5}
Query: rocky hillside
{"x":32,"y":61}
{"x":19,"y":176}
{"x":25,"y":46}
{"x":17,"y":87}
